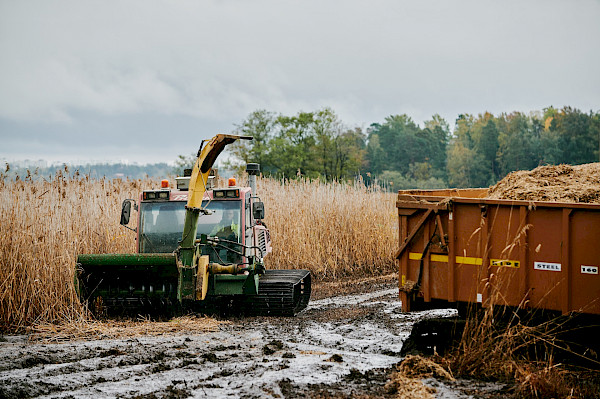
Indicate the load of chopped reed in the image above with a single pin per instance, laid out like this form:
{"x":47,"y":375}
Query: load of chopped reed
{"x":558,"y":183}
{"x":45,"y":222}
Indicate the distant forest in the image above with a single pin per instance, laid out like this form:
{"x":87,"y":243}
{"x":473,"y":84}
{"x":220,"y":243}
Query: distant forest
{"x":400,"y":154}
{"x":96,"y":171}
{"x":397,"y":153}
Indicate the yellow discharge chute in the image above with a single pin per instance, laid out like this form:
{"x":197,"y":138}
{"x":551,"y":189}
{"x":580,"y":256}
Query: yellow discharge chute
{"x":207,"y":155}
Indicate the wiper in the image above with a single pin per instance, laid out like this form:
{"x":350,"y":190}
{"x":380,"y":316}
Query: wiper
{"x":152,"y":245}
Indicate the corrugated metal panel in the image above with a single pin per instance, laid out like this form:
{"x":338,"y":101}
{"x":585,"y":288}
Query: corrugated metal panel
{"x":529,"y":254}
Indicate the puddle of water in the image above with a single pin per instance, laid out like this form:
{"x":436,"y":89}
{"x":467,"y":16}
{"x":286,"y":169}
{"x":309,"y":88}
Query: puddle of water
{"x":350,"y":299}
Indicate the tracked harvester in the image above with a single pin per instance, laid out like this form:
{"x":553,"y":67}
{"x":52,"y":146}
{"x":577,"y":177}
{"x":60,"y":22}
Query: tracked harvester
{"x":198,"y":248}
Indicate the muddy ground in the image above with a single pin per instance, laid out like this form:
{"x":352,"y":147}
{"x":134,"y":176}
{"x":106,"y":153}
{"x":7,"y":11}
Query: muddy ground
{"x":341,"y":346}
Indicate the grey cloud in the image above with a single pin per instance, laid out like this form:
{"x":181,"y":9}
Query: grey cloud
{"x":76,"y":66}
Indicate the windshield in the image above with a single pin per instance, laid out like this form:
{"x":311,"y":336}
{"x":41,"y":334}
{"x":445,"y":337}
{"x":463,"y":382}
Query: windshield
{"x":161,"y":223}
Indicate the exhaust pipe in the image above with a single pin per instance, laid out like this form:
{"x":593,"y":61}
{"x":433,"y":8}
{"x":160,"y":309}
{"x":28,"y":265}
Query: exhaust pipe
{"x":253,"y":169}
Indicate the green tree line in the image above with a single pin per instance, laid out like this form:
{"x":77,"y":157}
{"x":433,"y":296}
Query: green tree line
{"x":311,"y":144}
{"x":478,"y":152}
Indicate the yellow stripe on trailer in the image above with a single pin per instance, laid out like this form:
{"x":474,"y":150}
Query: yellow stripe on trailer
{"x":433,"y":257}
{"x":466,"y":260}
{"x":439,"y":258}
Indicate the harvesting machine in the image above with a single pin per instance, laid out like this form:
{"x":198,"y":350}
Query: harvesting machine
{"x":198,"y":248}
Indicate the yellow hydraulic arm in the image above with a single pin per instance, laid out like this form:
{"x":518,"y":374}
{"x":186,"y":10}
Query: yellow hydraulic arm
{"x":207,"y":154}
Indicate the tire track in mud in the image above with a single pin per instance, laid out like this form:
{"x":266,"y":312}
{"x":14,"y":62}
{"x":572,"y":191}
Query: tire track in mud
{"x":343,"y":346}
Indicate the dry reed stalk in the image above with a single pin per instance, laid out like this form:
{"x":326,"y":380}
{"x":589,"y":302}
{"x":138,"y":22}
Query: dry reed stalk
{"x":335,"y":230}
{"x":498,"y":344}
{"x":44,"y":224}
{"x":501,"y":342}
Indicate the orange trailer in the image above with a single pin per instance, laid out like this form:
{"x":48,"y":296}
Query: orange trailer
{"x":458,"y":247}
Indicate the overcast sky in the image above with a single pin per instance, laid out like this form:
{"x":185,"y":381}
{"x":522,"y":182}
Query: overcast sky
{"x":145,"y":81}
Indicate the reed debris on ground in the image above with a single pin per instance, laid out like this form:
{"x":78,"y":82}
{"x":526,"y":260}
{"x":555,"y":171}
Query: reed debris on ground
{"x":405,"y":380}
{"x":116,"y":329}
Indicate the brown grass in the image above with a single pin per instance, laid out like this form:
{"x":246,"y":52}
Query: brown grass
{"x":503,"y":343}
{"x":111,"y":329}
{"x":44,"y":224}
{"x":333,"y":230}
{"x":497,"y":345}
{"x":521,"y":347}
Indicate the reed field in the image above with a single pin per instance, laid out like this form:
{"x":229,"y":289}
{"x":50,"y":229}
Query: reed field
{"x":335,"y":230}
{"x":44,"y":224}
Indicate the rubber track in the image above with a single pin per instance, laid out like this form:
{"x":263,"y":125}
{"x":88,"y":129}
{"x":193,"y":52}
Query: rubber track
{"x":281,"y":293}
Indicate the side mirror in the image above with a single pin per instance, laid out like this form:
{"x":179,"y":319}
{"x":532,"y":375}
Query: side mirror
{"x":258,"y":210}
{"x":126,"y":212}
